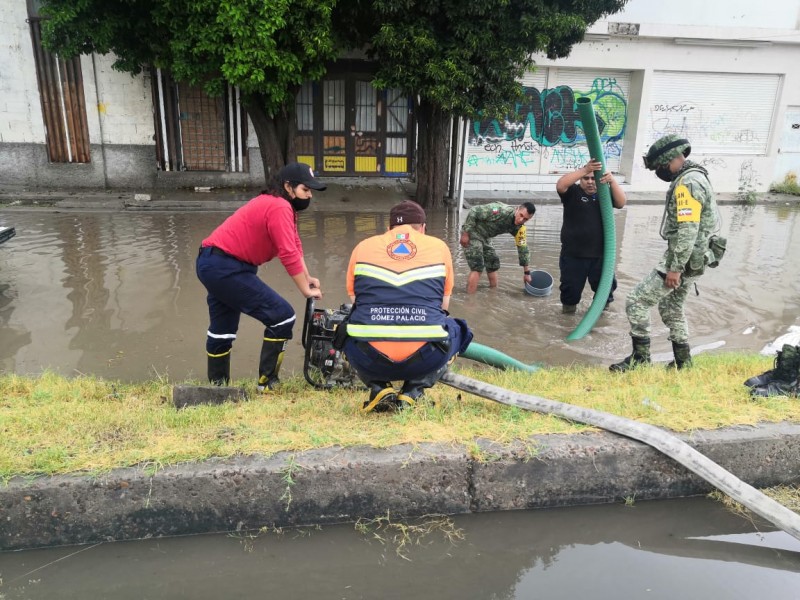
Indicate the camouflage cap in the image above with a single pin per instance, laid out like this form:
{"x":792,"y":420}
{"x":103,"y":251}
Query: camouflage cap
{"x":664,"y":149}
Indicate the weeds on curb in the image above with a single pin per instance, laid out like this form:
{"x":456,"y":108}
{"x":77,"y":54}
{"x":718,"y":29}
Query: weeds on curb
{"x":405,"y":534}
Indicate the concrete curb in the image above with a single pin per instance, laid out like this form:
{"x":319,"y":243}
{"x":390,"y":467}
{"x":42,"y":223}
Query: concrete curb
{"x":343,"y":484}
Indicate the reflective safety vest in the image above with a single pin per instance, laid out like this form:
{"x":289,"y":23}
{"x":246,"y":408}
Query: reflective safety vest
{"x":398,"y":291}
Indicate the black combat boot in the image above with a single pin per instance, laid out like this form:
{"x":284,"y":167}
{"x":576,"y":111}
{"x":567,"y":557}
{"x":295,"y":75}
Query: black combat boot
{"x":683,"y":356}
{"x":639,"y":356}
{"x":777,"y":387}
{"x":786,"y":366}
{"x":219,"y":368}
{"x":270,"y":363}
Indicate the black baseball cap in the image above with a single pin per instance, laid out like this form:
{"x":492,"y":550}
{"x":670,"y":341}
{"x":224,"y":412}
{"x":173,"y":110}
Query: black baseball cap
{"x":301,"y":173}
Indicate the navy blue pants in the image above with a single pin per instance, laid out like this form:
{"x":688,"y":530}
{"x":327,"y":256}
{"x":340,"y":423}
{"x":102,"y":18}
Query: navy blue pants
{"x":374,"y":368}
{"x":235,"y":288}
{"x":574,"y":274}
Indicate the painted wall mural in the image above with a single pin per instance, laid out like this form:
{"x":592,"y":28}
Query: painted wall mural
{"x":544,"y":134}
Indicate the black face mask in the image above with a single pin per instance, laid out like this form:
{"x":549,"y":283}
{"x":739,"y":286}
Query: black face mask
{"x":663,"y":173}
{"x":298,"y":204}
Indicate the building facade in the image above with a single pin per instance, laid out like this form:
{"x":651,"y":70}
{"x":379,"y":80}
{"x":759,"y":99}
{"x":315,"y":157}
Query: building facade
{"x":724,"y":74}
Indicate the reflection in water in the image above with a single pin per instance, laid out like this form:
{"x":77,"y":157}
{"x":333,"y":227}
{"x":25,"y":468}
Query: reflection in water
{"x":114,"y":294}
{"x":689,"y":548}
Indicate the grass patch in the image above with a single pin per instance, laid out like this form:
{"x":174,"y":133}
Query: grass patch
{"x":787,"y":495}
{"x":789,"y":185}
{"x":51,"y":424}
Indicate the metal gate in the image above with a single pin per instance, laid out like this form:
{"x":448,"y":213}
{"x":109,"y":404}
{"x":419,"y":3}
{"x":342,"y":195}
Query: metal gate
{"x":197,"y":132}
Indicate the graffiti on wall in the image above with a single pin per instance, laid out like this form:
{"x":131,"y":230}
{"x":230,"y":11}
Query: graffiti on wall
{"x":546,"y":124}
{"x":719,"y":130}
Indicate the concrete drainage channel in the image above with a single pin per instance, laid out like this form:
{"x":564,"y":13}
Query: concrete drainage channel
{"x":337,"y":485}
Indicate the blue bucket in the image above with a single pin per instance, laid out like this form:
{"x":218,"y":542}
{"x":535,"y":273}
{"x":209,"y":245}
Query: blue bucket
{"x":541,"y":284}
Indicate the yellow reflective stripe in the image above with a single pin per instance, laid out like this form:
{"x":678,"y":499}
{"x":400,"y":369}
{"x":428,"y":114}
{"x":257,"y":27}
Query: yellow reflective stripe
{"x":218,"y":355}
{"x":400,"y":332}
{"x":399,"y":279}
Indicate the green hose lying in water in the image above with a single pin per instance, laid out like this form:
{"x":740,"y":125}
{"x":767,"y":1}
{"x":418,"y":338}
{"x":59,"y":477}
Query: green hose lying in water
{"x":586,"y":111}
{"x":495,"y":358}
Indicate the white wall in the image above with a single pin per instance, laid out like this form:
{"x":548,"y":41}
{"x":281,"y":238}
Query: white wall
{"x":646,"y":55}
{"x":123,"y":102}
{"x":123,"y":106}
{"x":20,"y":107}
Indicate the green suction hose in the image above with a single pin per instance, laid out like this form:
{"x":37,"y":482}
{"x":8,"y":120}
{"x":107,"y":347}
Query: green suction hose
{"x":495,"y":358}
{"x":586,"y":112}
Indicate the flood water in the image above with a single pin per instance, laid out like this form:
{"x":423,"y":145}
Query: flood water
{"x":114,"y":293}
{"x":689,"y":549}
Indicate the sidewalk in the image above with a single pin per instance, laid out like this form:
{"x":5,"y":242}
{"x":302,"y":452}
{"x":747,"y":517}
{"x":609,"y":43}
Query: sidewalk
{"x":345,"y":192}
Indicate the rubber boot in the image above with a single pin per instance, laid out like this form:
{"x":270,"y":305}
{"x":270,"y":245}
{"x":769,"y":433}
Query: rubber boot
{"x":219,"y":368}
{"x":683,"y":356}
{"x":270,"y":363}
{"x":639,"y":356}
{"x":382,"y":398}
{"x":786,"y":366}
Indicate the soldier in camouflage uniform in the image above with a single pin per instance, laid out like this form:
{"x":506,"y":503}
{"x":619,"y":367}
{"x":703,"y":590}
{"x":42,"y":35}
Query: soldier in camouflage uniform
{"x":481,"y":225}
{"x":690,"y":217}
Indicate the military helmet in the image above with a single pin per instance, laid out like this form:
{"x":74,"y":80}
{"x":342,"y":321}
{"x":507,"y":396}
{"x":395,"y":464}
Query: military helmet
{"x":664,"y":149}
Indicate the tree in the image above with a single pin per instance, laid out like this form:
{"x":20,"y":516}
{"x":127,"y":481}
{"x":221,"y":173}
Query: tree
{"x":461,"y":58}
{"x":267,"y":48}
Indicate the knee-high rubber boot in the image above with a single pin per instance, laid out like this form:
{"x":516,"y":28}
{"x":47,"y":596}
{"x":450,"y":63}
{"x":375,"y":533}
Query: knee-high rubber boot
{"x":219,"y":368}
{"x":683,"y":356}
{"x":270,"y":363}
{"x":639,"y":356}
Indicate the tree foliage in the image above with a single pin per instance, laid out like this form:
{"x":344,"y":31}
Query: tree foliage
{"x":461,"y":58}
{"x":267,"y":48}
{"x":457,"y":57}
{"x":467,"y":57}
{"x":263,"y":47}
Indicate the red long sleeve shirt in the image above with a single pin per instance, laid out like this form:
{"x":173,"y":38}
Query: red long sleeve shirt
{"x":259,"y":231}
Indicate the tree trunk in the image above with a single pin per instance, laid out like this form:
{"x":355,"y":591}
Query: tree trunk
{"x":434,"y":133}
{"x":275,"y":134}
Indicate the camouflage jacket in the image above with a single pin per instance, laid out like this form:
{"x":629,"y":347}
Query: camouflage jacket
{"x":490,"y":220}
{"x":690,"y":217}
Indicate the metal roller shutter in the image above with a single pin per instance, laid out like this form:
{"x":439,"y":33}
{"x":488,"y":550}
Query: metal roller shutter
{"x":720,"y":113}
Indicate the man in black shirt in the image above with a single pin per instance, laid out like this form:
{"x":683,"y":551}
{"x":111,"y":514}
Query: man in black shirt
{"x":582,"y":232}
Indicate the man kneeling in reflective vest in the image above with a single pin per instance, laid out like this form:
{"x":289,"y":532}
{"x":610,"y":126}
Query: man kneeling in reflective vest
{"x":400,"y":284}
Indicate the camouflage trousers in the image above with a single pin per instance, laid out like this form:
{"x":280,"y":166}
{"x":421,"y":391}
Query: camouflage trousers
{"x":480,"y":255}
{"x":651,"y":291}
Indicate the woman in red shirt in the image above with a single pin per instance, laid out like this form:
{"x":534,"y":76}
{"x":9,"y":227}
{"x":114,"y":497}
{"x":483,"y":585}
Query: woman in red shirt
{"x":227,"y":266}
